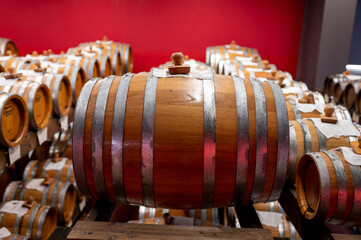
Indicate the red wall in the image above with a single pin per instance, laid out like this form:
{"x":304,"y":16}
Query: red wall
{"x":157,"y":28}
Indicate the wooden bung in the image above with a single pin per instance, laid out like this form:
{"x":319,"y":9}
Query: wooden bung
{"x":178,"y":66}
{"x":329,"y":117}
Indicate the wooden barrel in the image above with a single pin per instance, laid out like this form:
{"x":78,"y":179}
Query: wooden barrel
{"x":37,"y":98}
{"x":60,"y":195}
{"x":75,"y":74}
{"x":269,"y":207}
{"x":59,"y":86}
{"x":338,"y":92}
{"x":328,"y":188}
{"x":61,"y":145}
{"x":37,"y":221}
{"x":125,"y":51}
{"x":226,"y":67}
{"x":14,"y":120}
{"x":8,"y":47}
{"x":205,"y":215}
{"x":39,"y":169}
{"x":11,"y":61}
{"x":284,"y":230}
{"x":306,"y":137}
{"x":169,"y":135}
{"x":109,"y":59}
{"x":89,"y":65}
{"x":350,"y":95}
{"x":331,"y":82}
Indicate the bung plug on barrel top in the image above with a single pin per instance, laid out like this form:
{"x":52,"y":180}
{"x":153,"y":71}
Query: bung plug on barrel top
{"x":178,"y":67}
{"x":11,"y":73}
{"x":38,"y":68}
{"x":328,"y":117}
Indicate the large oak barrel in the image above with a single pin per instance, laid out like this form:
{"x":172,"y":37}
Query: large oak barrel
{"x":35,"y":220}
{"x":329,"y":188}
{"x":205,"y":215}
{"x":11,"y":61}
{"x":89,"y":65}
{"x":8,"y":47}
{"x":14,"y":119}
{"x":60,"y":195}
{"x":306,"y":136}
{"x":37,"y":98}
{"x":75,"y":74}
{"x":59,"y":86}
{"x":59,"y":170}
{"x":180,"y":141}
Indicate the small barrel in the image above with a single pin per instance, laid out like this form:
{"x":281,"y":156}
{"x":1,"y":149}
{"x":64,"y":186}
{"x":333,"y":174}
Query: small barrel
{"x":11,"y":61}
{"x":125,"y":51}
{"x":191,"y":121}
{"x":59,"y":171}
{"x":90,"y":66}
{"x":338,"y":94}
{"x":205,"y":215}
{"x":14,"y":120}
{"x":37,"y":98}
{"x":329,"y":188}
{"x":8,"y":47}
{"x":305,"y":137}
{"x":61,"y":146}
{"x":59,"y":86}
{"x":332,"y":82}
{"x":30,"y":219}
{"x":269,"y":207}
{"x":75,"y":74}
{"x":350,"y":93}
{"x":60,"y":195}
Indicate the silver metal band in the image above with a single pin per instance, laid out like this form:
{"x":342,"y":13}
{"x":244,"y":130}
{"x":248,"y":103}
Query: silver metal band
{"x":31,"y":220}
{"x":209,"y":140}
{"x":341,"y":187}
{"x":78,"y":134}
{"x":97,"y":137}
{"x":192,"y":213}
{"x":322,"y":143}
{"x":87,"y":67}
{"x":306,"y":136}
{"x":61,"y":200}
{"x":141,"y":213}
{"x":293,"y":232}
{"x":118,"y":137}
{"x":7,"y":191}
{"x":23,"y":189}
{"x":242,"y":138}
{"x":204,"y":215}
{"x":261,"y":139}
{"x":17,"y":223}
{"x":324,"y":184}
{"x":215,"y":220}
{"x":151,"y":212}
{"x":356,"y":209}
{"x":281,"y":230}
{"x":41,"y":221}
{"x":147,"y":140}
{"x":283,"y":142}
{"x":54,"y":194}
{"x":59,"y":172}
{"x":69,"y":173}
{"x":34,"y":170}
{"x":44,"y":199}
{"x":126,"y":57}
{"x":271,"y":206}
{"x":30,"y":103}
{"x":292,"y":155}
